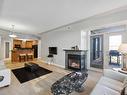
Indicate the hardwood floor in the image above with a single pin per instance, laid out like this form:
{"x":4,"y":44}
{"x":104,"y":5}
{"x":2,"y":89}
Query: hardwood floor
{"x":41,"y":85}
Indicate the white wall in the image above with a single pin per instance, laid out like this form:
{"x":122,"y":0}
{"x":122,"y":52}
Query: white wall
{"x":64,"y":38}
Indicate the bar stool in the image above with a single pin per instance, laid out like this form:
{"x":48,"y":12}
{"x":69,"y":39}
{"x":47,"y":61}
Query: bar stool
{"x":22,"y":57}
{"x":50,"y":59}
{"x":30,"y":56}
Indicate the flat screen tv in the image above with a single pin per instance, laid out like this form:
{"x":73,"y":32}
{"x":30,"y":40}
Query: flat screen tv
{"x":52,"y":50}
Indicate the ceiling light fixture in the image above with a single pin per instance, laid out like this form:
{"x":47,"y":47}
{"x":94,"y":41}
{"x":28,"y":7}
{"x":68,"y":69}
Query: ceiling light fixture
{"x":12,"y":35}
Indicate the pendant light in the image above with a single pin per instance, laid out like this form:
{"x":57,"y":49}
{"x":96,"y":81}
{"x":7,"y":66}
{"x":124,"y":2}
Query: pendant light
{"x":12,"y":35}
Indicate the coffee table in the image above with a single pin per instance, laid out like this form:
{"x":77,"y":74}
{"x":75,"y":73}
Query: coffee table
{"x":69,"y":83}
{"x":30,"y":66}
{"x":120,"y":70}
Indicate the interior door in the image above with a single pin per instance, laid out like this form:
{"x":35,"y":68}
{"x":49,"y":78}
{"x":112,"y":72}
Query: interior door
{"x":96,"y":51}
{"x":35,"y":47}
{"x":6,"y":49}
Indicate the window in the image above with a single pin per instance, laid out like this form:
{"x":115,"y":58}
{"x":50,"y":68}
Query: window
{"x":114,"y":42}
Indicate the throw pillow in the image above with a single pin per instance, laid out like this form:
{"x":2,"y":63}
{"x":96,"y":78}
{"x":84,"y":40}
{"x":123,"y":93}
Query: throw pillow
{"x":124,"y":91}
{"x":125,"y":83}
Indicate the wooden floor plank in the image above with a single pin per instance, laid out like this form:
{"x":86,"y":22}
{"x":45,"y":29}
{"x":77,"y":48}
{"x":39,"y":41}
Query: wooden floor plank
{"x":42,"y":85}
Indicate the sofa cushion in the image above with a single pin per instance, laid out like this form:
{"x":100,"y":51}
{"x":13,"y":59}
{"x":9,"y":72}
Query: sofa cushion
{"x":111,"y":83}
{"x":113,"y":74}
{"x":104,"y":90}
{"x":124,"y":91}
{"x":6,"y":73}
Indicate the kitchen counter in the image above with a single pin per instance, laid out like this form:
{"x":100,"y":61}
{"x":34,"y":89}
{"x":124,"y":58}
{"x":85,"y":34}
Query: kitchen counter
{"x":16,"y":52}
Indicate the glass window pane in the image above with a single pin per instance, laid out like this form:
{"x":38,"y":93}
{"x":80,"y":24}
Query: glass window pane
{"x":114,"y":42}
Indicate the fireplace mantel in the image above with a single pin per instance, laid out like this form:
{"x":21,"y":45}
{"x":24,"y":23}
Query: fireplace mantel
{"x":75,"y":50}
{"x":77,"y":57}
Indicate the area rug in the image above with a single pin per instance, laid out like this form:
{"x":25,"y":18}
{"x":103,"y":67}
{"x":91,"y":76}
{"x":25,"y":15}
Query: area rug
{"x":24,"y":75}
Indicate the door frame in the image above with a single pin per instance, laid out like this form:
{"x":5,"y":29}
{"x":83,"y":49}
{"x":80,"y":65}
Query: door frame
{"x":39,"y":49}
{"x":102,"y":49}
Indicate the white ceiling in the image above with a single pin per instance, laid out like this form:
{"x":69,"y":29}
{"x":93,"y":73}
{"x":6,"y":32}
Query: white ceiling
{"x":36,"y":16}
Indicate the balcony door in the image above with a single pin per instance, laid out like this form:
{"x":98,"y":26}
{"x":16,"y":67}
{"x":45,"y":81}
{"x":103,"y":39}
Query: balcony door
{"x":96,"y":51}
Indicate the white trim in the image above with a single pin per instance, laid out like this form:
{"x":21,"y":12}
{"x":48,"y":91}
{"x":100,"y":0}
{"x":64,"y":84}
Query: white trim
{"x":53,"y":64}
{"x":5,"y":59}
{"x":43,"y":61}
{"x":58,"y":65}
{"x":39,"y":58}
{"x":96,"y":69}
{"x":39,"y":48}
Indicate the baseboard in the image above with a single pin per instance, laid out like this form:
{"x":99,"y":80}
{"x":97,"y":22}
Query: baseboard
{"x":58,"y":65}
{"x":6,"y":59}
{"x":95,"y":69}
{"x":39,"y":57}
{"x":44,"y":61}
{"x":53,"y":64}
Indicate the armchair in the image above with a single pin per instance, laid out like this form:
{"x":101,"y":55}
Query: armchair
{"x":5,"y":77}
{"x":1,"y":78}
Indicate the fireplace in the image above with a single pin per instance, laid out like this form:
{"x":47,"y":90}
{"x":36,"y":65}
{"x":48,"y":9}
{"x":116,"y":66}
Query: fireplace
{"x":75,"y":59}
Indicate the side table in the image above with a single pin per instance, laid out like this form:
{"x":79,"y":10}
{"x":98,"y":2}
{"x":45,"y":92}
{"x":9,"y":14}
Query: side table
{"x":120,"y":70}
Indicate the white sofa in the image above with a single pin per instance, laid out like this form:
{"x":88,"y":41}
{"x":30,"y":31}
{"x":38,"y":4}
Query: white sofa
{"x":111,"y":83}
{"x":6,"y":74}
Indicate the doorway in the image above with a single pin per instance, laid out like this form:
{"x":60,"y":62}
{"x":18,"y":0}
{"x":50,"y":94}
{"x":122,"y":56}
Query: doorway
{"x":35,"y":48}
{"x":96,"y":51}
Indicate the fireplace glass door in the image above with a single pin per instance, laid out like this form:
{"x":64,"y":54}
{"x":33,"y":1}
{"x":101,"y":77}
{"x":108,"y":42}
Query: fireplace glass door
{"x":96,"y":51}
{"x":74,"y":61}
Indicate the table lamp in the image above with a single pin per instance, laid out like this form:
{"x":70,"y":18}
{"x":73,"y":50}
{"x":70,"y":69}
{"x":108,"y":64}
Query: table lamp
{"x":123,"y":50}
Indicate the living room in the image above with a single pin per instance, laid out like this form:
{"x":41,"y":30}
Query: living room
{"x":75,"y":41}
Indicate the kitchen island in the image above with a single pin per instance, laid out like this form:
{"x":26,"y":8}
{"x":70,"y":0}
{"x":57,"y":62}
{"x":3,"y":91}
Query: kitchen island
{"x":22,"y":54}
